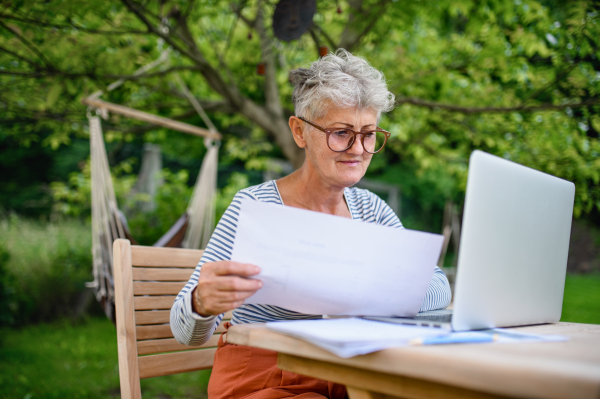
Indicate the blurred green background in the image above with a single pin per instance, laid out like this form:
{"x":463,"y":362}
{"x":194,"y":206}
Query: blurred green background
{"x":519,"y":79}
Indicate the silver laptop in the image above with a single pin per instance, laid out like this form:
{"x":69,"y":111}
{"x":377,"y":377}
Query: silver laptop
{"x":513,"y":251}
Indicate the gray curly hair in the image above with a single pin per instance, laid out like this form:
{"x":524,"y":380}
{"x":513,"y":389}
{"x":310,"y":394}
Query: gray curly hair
{"x":343,"y":79}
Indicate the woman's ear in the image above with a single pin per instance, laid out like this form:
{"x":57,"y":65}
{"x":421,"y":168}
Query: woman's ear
{"x":297,"y":131}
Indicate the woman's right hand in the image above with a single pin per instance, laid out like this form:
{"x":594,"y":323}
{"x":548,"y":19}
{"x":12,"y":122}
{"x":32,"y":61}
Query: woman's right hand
{"x":223,"y":286}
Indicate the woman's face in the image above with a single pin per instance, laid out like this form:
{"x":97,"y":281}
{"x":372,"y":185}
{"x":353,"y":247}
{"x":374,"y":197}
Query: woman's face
{"x":337,"y":168}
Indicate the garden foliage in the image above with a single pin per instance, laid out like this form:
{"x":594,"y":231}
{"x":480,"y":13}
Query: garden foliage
{"x":43,"y":270}
{"x":516,"y":78}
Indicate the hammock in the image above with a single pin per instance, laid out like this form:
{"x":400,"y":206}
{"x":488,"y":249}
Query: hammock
{"x":192,"y":230}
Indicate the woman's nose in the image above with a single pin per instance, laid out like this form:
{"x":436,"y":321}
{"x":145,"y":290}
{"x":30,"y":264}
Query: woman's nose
{"x":356,"y":148}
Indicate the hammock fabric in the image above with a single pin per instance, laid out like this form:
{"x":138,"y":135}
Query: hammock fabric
{"x":192,"y":230}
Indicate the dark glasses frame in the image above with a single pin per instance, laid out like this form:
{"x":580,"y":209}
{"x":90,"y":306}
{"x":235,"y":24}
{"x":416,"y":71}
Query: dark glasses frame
{"x":328,"y":132}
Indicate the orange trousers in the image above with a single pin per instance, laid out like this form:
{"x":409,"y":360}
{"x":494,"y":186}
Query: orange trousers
{"x":251,"y":373}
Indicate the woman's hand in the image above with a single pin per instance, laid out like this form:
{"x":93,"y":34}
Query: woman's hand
{"x":223,"y":286}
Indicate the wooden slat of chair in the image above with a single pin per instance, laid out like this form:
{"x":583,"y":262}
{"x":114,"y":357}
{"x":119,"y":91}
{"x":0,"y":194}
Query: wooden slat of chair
{"x":162,"y":331}
{"x":161,"y":257}
{"x":144,"y":317}
{"x":153,"y":332}
{"x":153,"y":302}
{"x":180,"y":362}
{"x":161,"y":274}
{"x":171,"y":345}
{"x":158,"y":288}
{"x":146,"y":282}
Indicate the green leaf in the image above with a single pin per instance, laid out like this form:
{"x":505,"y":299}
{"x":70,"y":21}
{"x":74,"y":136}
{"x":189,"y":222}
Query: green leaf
{"x":53,"y":95}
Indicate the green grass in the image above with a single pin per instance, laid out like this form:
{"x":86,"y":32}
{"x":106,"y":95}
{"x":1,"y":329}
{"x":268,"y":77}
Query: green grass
{"x":582,"y":299}
{"x":61,"y":360}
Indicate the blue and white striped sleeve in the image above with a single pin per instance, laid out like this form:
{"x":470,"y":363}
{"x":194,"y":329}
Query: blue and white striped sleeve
{"x":438,"y":294}
{"x":189,"y":328}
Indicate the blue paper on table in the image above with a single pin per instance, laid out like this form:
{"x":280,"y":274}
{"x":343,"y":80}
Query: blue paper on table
{"x":349,"y":337}
{"x":468,"y":337}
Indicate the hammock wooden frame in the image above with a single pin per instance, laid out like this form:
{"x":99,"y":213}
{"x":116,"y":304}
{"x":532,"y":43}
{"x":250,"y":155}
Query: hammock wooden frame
{"x":150,"y":118}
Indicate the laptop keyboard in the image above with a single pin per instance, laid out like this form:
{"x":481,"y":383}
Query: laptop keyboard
{"x":441,"y":318}
{"x":432,"y":318}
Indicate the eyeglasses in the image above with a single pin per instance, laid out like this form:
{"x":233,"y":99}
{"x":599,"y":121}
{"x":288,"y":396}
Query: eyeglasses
{"x":341,"y":139}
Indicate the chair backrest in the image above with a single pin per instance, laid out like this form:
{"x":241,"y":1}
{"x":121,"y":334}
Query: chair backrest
{"x":147,"y":279}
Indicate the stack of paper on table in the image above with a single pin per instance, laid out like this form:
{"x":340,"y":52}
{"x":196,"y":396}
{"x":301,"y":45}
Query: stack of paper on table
{"x":353,"y":336}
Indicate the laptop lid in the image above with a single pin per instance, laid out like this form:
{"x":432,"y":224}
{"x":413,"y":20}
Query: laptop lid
{"x":514,"y":245}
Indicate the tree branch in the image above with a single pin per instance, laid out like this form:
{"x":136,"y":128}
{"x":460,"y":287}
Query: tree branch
{"x":71,"y":25}
{"x":133,"y":7}
{"x":482,"y":110}
{"x":350,"y":36}
{"x":326,"y":36}
{"x":188,"y":10}
{"x":92,"y":75}
{"x":213,"y":76}
{"x":33,"y":116}
{"x":27,"y":43}
{"x":221,"y":56}
{"x":313,"y":35}
{"x":20,"y":57}
{"x":238,"y":12}
{"x":208,"y":105}
{"x":275,"y":126}
{"x":559,"y":77}
{"x":273,"y":102}
{"x":228,"y":41}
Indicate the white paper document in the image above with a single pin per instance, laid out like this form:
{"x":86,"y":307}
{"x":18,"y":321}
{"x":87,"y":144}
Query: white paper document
{"x":319,"y":264}
{"x":353,"y":336}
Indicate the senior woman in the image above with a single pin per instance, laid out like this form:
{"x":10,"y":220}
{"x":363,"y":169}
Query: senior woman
{"x":338,"y":102}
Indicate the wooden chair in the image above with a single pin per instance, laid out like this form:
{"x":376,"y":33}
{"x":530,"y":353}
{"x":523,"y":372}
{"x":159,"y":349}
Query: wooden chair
{"x":147,"y":279}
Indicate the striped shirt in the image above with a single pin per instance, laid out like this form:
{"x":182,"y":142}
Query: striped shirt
{"x":192,"y":329}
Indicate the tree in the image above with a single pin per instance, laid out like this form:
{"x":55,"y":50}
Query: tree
{"x":516,"y":78}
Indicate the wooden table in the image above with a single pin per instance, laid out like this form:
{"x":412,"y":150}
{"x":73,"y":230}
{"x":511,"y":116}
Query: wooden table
{"x":534,"y":370}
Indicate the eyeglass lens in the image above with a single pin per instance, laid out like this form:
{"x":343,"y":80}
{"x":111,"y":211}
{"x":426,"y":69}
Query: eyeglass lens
{"x":341,"y":140}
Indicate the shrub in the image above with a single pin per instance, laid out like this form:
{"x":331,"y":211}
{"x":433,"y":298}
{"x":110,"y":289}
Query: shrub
{"x":7,"y":303}
{"x":46,"y":273}
{"x":172,"y":201}
{"x":61,"y":290}
{"x":74,"y":199}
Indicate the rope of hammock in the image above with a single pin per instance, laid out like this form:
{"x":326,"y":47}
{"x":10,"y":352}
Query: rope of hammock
{"x":201,"y":211}
{"x":108,"y":222}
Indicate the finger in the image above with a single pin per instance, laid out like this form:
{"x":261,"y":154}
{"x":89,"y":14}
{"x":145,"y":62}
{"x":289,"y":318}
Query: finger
{"x":231,"y":296}
{"x":235,"y":283}
{"x":236,"y":268}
